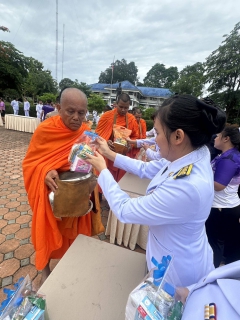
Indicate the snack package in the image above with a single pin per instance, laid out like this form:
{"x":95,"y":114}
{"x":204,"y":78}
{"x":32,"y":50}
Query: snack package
{"x":154,"y":298}
{"x":83,"y":146}
{"x":119,"y":138}
{"x":22,"y":303}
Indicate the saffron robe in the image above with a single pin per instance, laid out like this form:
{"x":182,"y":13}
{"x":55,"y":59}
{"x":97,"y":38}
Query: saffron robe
{"x":49,"y":149}
{"x":142,"y":129}
{"x":104,"y":129}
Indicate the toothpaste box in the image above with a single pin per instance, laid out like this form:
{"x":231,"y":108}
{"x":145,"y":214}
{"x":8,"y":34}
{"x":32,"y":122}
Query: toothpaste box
{"x":147,"y":311}
{"x":35,"y":314}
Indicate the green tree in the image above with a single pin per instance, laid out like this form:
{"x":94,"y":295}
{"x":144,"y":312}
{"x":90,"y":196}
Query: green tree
{"x":83,"y":86}
{"x":13,"y":68}
{"x":191,"y":80}
{"x":96,"y":102}
{"x":121,"y":71}
{"x":66,"y":82}
{"x":47,"y":96}
{"x":38,"y":80}
{"x":148,"y":113}
{"x":161,"y":77}
{"x":223,"y":71}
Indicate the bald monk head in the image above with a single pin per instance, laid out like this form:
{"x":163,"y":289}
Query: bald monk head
{"x":73,"y":107}
{"x":123,"y":103}
{"x":137,"y":114}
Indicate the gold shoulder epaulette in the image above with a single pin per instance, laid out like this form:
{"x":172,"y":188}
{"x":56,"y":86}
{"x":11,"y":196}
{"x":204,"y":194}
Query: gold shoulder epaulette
{"x":185,"y":171}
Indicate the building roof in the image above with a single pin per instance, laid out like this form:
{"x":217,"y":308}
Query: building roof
{"x":127,"y":85}
{"x":99,"y":87}
{"x":154,"y":92}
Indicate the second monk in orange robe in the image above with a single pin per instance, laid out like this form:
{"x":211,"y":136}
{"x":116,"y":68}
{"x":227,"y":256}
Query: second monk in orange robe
{"x":119,"y":116}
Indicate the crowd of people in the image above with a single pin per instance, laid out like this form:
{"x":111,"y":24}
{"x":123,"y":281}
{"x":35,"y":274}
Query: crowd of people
{"x":191,"y":205}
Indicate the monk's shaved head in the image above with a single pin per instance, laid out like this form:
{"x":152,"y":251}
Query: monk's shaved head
{"x":73,"y":107}
{"x":66,"y":92}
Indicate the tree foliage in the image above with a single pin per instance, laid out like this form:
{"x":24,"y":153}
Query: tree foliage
{"x":121,"y":71}
{"x":13,"y":68}
{"x":38,"y":80}
{"x":223,"y":71}
{"x":96,"y":102}
{"x":47,"y":96}
{"x":161,"y":77}
{"x":66,"y":82}
{"x":191,"y":80}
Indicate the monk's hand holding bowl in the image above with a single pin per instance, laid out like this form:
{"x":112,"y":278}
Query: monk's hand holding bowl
{"x":50,"y":180}
{"x":111,"y":145}
{"x":131,"y":142}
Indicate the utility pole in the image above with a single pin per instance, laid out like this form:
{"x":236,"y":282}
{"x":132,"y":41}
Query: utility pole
{"x":57,"y":40}
{"x":63,"y":50}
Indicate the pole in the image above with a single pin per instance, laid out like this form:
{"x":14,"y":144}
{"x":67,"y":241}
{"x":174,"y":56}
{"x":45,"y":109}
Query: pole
{"x":112,"y":80}
{"x":63,"y":49}
{"x":56,"y":40}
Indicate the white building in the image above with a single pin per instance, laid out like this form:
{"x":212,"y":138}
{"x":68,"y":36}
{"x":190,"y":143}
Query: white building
{"x":144,"y":96}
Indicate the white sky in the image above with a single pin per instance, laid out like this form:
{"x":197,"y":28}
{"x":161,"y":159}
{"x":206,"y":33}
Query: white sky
{"x":175,"y":33}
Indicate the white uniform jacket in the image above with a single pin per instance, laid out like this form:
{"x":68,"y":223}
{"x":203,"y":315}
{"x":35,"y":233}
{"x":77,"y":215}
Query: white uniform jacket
{"x":174,"y":209}
{"x":222,"y":287}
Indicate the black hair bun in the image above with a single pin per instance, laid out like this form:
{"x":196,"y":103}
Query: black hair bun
{"x":213,"y":118}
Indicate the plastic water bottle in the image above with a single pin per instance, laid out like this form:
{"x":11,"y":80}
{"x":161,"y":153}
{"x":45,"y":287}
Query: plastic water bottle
{"x":165,"y":299}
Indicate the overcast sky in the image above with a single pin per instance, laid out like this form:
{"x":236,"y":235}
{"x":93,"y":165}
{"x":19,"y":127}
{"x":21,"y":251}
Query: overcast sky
{"x":172,"y":32}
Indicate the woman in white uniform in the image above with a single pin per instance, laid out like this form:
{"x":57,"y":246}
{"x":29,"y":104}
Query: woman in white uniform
{"x":180,"y":195}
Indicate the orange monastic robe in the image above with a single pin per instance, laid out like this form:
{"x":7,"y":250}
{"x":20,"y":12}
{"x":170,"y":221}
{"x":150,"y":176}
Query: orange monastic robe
{"x":104,"y":129}
{"x":48,"y":150}
{"x":142,"y":129}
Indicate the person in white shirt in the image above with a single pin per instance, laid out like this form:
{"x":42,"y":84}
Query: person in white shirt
{"x":15,"y":106}
{"x":39,"y":109}
{"x":26,"y":107}
{"x":146,"y":143}
{"x":94,"y":113}
{"x":179,"y":197}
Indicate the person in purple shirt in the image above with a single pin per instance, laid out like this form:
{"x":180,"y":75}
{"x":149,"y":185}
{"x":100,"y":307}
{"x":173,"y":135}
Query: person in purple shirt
{"x":223,"y":224}
{"x":2,"y":110}
{"x":46,"y":109}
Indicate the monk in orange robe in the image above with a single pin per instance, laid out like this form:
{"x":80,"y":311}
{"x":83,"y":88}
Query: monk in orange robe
{"x":47,"y":154}
{"x":142,"y":129}
{"x":120,"y":116}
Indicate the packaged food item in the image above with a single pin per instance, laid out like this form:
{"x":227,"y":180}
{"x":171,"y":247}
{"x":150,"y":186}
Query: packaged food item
{"x":154,"y":298}
{"x":22,"y":303}
{"x":78,"y":154}
{"x":119,"y":138}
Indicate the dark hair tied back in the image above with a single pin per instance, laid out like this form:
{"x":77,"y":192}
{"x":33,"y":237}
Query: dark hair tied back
{"x":198,"y":119}
{"x":208,"y":117}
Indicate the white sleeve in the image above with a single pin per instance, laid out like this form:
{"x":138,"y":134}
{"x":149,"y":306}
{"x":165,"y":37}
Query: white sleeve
{"x":139,"y":168}
{"x":165,"y":205}
{"x":149,"y":141}
{"x":150,"y":133}
{"x":153,"y":155}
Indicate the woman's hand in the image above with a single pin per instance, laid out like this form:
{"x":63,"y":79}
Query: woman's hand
{"x":97,"y":161}
{"x":50,"y":180}
{"x":145,"y":146}
{"x":103,"y":147}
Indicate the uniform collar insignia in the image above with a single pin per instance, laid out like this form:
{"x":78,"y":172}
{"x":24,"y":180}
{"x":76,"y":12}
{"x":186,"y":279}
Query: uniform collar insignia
{"x":185,"y":171}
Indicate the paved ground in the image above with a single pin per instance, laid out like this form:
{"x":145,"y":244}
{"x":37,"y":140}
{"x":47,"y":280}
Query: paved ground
{"x":16,"y":250}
